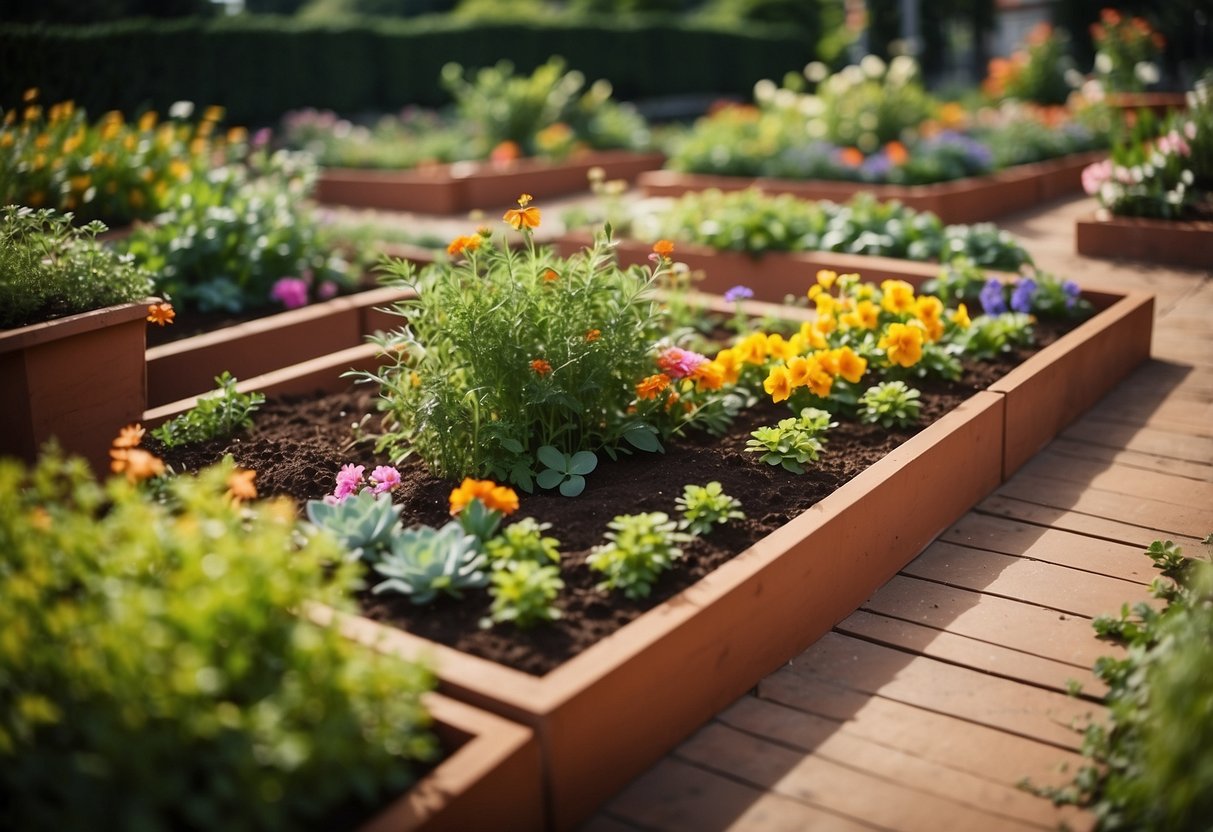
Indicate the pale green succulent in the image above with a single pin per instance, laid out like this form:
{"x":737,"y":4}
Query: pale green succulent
{"x":364,"y":523}
{"x":425,"y":561}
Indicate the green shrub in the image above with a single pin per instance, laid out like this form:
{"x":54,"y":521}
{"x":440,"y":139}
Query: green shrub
{"x":219,"y":413}
{"x":49,"y":268}
{"x":704,"y":507}
{"x":640,"y":548}
{"x":154,"y":674}
{"x":524,"y":592}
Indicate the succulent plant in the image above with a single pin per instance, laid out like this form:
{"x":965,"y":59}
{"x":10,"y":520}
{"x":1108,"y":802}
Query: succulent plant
{"x":425,"y":561}
{"x":364,"y":523}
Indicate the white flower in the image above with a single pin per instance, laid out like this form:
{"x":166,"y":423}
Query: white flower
{"x":181,"y":109}
{"x":785,"y":99}
{"x":1074,"y":78}
{"x":764,"y":90}
{"x":816,"y":129}
{"x":816,"y":72}
{"x":1186,"y":176}
{"x":872,"y":66}
{"x":1103,"y":63}
{"x":811,"y":106}
{"x":902,"y":69}
{"x":1146,"y":72}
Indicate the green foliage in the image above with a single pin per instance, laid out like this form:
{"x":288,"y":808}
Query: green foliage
{"x":390,"y":142}
{"x":480,"y":521}
{"x":564,"y":470}
{"x":219,"y":413}
{"x":524,"y":541}
{"x":641,"y":547}
{"x":756,"y":223}
{"x":424,"y":562}
{"x":794,"y":441}
{"x":364,"y":522}
{"x":235,"y":232}
{"x":706,"y":506}
{"x":1150,"y":767}
{"x":1037,"y":71}
{"x":890,"y":404}
{"x":524,"y":592}
{"x":869,"y":104}
{"x":154,"y":671}
{"x":989,"y":336}
{"x":49,"y":268}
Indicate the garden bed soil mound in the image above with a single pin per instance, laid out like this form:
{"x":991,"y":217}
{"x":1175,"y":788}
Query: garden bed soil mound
{"x":297,"y":445}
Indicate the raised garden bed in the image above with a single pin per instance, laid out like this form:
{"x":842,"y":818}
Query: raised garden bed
{"x":615,"y":707}
{"x":463,"y":186}
{"x":975,"y":199}
{"x":1176,"y":242}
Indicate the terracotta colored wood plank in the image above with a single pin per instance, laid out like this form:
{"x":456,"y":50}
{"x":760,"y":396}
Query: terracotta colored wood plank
{"x":840,"y":743}
{"x":846,"y":788}
{"x":1059,"y":587}
{"x":964,"y":651}
{"x":1027,"y":628}
{"x":937,"y":686}
{"x":1064,"y":548}
{"x":1074,"y":449}
{"x":1059,"y":518}
{"x":674,"y":796}
{"x":1173,"y":444}
{"x":1163,"y":517}
{"x":1121,"y":480}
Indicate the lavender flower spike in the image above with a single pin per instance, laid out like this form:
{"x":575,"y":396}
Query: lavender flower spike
{"x":738,"y":293}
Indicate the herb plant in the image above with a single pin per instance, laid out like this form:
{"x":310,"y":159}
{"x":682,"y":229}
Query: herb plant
{"x":163,"y":678}
{"x":50,"y":268}
{"x":524,"y":541}
{"x":641,"y":547}
{"x":794,"y":441}
{"x":704,"y":507}
{"x":890,"y":404}
{"x":219,"y":413}
{"x":524,"y":592}
{"x":425,"y":562}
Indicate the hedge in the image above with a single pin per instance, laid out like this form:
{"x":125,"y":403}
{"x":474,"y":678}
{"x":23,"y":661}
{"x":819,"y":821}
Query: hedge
{"x":259,"y":67}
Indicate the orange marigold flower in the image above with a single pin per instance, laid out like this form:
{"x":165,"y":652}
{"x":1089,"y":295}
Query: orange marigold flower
{"x":709,"y":376}
{"x":240,"y":485}
{"x":461,"y":245}
{"x":506,"y":151}
{"x":551,"y":276}
{"x":663,"y":248}
{"x":161,"y":313}
{"x":897,"y":153}
{"x":137,"y":463}
{"x":493,"y":496}
{"x":852,"y":157}
{"x":129,"y":436}
{"x":648,"y":388}
{"x":522,"y":216}
{"x":593,"y":335}
{"x":541,"y":366}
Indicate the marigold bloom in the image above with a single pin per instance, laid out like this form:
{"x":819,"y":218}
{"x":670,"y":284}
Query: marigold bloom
{"x":505,"y":152}
{"x":593,"y":335}
{"x":778,"y":384}
{"x":663,"y":248}
{"x":541,"y":366}
{"x":463,"y":245}
{"x":898,"y":296}
{"x":649,"y":387}
{"x":897,"y":153}
{"x":551,"y":276}
{"x":240,"y":485}
{"x":523,"y":216}
{"x":137,"y":463}
{"x":129,"y":436}
{"x":902,"y":344}
{"x":852,"y":157}
{"x":493,"y":496}
{"x":161,"y":313}
{"x":709,"y":376}
{"x":851,"y":365}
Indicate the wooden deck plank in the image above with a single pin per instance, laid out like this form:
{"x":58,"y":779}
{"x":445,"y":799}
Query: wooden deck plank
{"x":812,"y":734}
{"x":603,"y":822}
{"x":674,"y":796}
{"x":1064,"y":548}
{"x":937,"y":686}
{"x":964,"y":651}
{"x":1173,"y":444}
{"x":844,"y":787}
{"x":1020,"y":626}
{"x":1160,"y":517}
{"x":1075,"y":449}
{"x":1087,"y":524}
{"x":1131,"y":405}
{"x":1035,"y":582}
{"x":1119,"y":479}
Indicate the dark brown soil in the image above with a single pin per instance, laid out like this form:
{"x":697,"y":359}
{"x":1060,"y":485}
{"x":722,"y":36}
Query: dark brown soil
{"x":298,"y":444}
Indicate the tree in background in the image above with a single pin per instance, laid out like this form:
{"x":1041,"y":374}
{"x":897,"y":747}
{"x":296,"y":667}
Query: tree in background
{"x":96,"y":11}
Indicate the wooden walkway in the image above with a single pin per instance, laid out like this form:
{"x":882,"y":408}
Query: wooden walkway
{"x":925,"y":708}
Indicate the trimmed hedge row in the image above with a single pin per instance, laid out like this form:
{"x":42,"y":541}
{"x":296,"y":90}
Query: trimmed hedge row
{"x":259,"y":67}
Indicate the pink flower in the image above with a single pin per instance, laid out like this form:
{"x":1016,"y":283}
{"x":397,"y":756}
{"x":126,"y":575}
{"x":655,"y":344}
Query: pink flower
{"x":679,"y":363}
{"x":1173,"y":142}
{"x":348,"y":480}
{"x":1093,"y":176}
{"x":326,"y":290}
{"x":291,"y":292}
{"x":385,"y":478}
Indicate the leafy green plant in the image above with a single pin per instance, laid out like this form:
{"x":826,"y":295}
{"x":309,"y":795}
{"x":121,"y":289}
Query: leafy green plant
{"x":704,"y":507}
{"x":524,"y":592}
{"x":157,"y":673}
{"x":564,"y":470}
{"x":425,"y":561}
{"x":524,"y":541}
{"x":890,"y":404}
{"x":794,"y":441}
{"x":219,"y":413}
{"x":641,"y":547}
{"x":989,"y":336}
{"x":364,"y":522}
{"x":50,"y":268}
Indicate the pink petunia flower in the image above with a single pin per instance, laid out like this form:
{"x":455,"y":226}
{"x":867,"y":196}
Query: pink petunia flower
{"x":385,"y":478}
{"x":291,"y":292}
{"x":679,"y":363}
{"x":348,"y":480}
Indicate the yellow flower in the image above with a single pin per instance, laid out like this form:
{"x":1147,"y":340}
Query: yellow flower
{"x":753,"y":348}
{"x":523,"y":216}
{"x":828,"y":359}
{"x":961,"y":317}
{"x":800,"y":369}
{"x":826,"y":278}
{"x":898,"y":296}
{"x":778,"y":384}
{"x":820,"y":382}
{"x":928,"y":308}
{"x":147,"y":121}
{"x":902,"y":344}
{"x":729,"y":361}
{"x":494,"y":497}
{"x":825,"y":324}
{"x":825,"y":304}
{"x":812,"y":336}
{"x":851,"y":365}
{"x":709,"y":376}
{"x":778,"y":348}
{"x":213,"y":113}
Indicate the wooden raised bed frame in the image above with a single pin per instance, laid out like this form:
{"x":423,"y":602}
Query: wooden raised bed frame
{"x":975,"y":199}
{"x":1176,"y":242}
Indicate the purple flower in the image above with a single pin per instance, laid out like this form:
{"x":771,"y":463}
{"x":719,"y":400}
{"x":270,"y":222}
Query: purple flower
{"x":992,"y":301}
{"x":1070,"y":289}
{"x":1021,"y":298}
{"x":327,"y":289}
{"x":738,"y":293}
{"x":291,"y":292}
{"x":261,"y":138}
{"x":385,"y":478}
{"x":348,"y":480}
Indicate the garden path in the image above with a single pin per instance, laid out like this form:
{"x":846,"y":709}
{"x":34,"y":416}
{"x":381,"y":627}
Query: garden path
{"x":925,"y":707}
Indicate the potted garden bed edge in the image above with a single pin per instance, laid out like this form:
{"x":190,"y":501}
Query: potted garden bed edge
{"x":1175,"y":242}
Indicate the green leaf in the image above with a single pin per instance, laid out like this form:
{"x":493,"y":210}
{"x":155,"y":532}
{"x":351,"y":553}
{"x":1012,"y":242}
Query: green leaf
{"x":549,"y":479}
{"x":583,"y":462}
{"x":643,"y":438}
{"x":512,"y":445}
{"x":573,"y":486}
{"x":552,"y":458}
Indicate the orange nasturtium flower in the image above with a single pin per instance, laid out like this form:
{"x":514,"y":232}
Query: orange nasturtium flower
{"x":902,"y":344}
{"x":778,"y":383}
{"x":648,"y":388}
{"x":240,"y":485}
{"x":663,"y":248}
{"x":161,"y":313}
{"x":463,"y":244}
{"x":137,"y":463}
{"x":493,"y":496}
{"x":541,"y":366}
{"x":523,"y":216}
{"x":129,"y":436}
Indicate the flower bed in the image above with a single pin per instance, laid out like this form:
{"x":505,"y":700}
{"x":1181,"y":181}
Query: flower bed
{"x":1178,"y":242}
{"x":973,"y":199}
